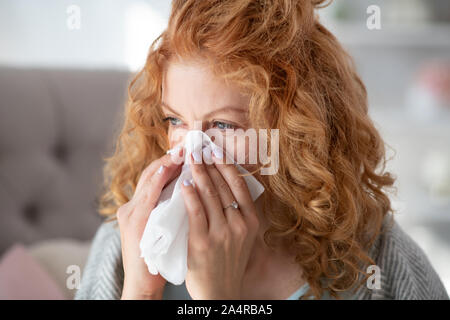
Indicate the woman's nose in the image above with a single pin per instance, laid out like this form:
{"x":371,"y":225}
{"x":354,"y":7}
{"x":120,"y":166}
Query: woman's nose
{"x":178,"y":135}
{"x":198,"y":125}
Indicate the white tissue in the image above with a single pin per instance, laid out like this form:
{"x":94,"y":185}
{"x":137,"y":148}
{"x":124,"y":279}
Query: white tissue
{"x":164,"y":241}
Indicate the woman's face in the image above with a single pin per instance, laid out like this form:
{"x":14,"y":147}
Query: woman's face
{"x":194,"y":99}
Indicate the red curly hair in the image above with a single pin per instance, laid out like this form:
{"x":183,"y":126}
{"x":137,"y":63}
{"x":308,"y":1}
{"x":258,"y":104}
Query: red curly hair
{"x":326,"y":201}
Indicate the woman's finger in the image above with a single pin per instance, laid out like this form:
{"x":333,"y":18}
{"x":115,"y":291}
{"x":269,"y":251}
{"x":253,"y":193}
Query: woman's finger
{"x":208,"y":193}
{"x":167,"y":160}
{"x":149,"y":194}
{"x":198,"y":224}
{"x":237,"y":184}
{"x":232,"y":215}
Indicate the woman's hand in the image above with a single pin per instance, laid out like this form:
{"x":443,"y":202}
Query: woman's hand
{"x":139,"y":283}
{"x":220,"y":240}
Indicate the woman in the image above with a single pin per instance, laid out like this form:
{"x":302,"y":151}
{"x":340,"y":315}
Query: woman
{"x":323,"y":227}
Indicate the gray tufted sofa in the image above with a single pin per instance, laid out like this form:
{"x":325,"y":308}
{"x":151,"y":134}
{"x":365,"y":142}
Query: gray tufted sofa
{"x":55,"y":128}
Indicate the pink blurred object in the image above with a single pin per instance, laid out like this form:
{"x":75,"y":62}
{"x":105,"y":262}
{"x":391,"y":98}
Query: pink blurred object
{"x":22,"y":278}
{"x":429,"y":96}
{"x":436,"y":78}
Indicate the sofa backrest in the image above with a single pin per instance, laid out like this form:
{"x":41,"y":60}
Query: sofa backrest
{"x":55,"y":128}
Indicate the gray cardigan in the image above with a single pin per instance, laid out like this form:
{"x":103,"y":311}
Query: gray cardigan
{"x":406,"y":272}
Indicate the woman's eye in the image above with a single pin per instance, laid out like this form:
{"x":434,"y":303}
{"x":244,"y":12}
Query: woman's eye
{"x":173,"y":121}
{"x":223,"y":125}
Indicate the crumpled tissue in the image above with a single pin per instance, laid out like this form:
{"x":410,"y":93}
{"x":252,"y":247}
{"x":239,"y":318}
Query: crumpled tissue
{"x":164,"y":242}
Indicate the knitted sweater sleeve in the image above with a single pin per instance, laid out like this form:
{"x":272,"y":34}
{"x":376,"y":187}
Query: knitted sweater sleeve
{"x":102,"y":277}
{"x":406,"y":273}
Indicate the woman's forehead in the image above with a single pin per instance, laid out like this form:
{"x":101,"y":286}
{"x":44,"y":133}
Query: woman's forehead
{"x":190,"y":84}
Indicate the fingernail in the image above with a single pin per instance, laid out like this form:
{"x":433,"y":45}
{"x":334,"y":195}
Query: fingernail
{"x":161,"y":169}
{"x":187,"y":182}
{"x":197,"y":156}
{"x":177,"y":155}
{"x":218,"y":153}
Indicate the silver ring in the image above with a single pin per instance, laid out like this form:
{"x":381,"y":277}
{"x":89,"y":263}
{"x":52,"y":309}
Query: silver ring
{"x":234,"y":205}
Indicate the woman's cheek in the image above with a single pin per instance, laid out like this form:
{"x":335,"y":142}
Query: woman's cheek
{"x":246,"y":149}
{"x":246,"y":153}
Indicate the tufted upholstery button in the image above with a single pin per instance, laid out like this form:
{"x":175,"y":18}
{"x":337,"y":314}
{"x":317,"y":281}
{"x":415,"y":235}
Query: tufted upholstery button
{"x":60,"y":152}
{"x":31,"y":213}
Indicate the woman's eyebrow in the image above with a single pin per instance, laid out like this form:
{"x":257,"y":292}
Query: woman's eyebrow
{"x":165,"y":105}
{"x":227,"y":109}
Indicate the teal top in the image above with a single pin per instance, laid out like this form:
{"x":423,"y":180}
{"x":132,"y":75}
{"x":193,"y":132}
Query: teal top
{"x":326,"y":296}
{"x":300,"y":292}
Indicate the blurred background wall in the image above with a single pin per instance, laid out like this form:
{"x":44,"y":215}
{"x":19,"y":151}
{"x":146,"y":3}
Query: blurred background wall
{"x":64,"y":68}
{"x":406,"y":67}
